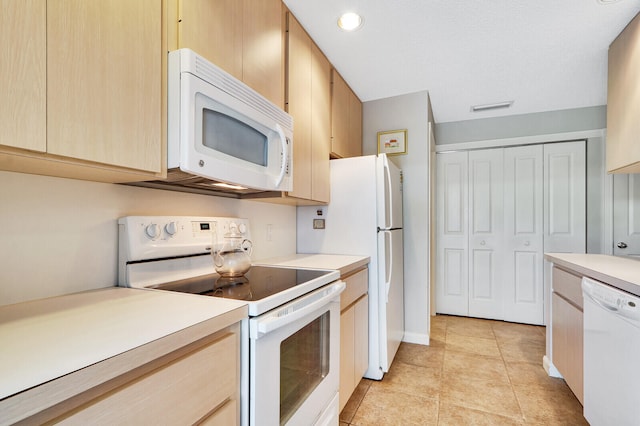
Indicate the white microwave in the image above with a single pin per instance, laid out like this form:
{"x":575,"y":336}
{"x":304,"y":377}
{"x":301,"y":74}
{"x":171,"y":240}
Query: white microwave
{"x":224,"y":132}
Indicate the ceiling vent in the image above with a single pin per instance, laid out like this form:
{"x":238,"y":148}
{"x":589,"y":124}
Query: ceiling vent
{"x":487,"y":107}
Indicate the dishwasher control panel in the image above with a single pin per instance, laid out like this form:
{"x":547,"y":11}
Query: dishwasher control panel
{"x":609,"y":297}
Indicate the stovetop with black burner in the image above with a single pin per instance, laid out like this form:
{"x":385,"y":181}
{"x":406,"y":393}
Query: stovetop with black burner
{"x":258,"y":283}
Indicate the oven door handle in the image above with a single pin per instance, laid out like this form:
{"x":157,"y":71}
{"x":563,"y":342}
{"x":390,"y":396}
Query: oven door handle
{"x":297,"y":309}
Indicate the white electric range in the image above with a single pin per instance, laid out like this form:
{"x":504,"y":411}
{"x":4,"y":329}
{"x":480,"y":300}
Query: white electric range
{"x":291,"y":348}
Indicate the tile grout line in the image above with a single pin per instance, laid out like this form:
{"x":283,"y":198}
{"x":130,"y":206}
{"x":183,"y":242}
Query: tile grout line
{"x":444,"y":353}
{"x":504,"y":362}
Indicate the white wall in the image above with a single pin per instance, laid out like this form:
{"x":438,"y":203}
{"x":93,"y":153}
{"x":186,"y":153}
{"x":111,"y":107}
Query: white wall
{"x":60,"y":235}
{"x":410,"y":112}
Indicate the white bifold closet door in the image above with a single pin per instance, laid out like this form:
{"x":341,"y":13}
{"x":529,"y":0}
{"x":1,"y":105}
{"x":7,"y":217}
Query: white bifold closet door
{"x":452,"y":235}
{"x":523,"y":235}
{"x":497,"y":211}
{"x":486,"y":254}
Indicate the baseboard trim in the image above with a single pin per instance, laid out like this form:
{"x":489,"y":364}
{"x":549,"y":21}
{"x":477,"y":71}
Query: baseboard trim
{"x":550,"y":368}
{"x":417,"y":338}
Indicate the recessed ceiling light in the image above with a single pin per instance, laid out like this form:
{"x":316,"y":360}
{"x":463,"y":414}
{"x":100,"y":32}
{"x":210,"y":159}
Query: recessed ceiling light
{"x":350,"y":21}
{"x":497,"y":105}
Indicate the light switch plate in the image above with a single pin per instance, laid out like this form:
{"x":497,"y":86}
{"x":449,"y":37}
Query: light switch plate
{"x":318,"y":223}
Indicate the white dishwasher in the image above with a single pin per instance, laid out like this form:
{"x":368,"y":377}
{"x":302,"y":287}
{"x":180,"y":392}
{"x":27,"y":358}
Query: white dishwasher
{"x":611,"y":355}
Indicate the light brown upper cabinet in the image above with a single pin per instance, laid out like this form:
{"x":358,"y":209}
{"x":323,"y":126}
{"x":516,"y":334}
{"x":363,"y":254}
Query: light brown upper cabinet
{"x":103,"y":83}
{"x":346,"y":119}
{"x":243,"y":37}
{"x":23,"y":41}
{"x":623,"y":101}
{"x":309,"y":103}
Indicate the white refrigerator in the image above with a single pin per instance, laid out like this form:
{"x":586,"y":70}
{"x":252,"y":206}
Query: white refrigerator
{"x":364,"y":217}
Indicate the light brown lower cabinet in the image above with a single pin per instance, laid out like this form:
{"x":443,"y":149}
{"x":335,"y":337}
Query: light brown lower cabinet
{"x":184,"y":391}
{"x":567,"y":329}
{"x":354,"y":333}
{"x":197,"y":382}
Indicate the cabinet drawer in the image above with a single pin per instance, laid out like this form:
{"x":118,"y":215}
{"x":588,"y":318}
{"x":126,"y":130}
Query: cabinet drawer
{"x":567,"y":329}
{"x":568,"y":286}
{"x":357,"y":285}
{"x":181,"y":392}
{"x":223,"y":416}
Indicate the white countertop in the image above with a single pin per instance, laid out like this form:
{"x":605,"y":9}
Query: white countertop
{"x":45,"y":339}
{"x":337,"y":262}
{"x":617,"y":271}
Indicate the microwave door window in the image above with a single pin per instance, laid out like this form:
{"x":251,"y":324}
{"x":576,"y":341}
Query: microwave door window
{"x":227,"y":135}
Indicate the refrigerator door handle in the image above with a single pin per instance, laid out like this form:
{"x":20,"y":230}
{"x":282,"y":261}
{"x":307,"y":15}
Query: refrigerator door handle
{"x":388,"y":264}
{"x":388,"y":196}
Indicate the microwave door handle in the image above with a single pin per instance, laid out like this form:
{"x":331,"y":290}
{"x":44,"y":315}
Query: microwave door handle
{"x":285,"y":155}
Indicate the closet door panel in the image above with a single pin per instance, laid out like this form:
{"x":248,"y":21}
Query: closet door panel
{"x":452,"y":287}
{"x":565,"y":197}
{"x":485,"y":233}
{"x":527,"y":273}
{"x":523,"y":235}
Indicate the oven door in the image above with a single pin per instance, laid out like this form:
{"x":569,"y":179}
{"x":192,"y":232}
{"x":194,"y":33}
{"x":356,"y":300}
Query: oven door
{"x":294,"y":360}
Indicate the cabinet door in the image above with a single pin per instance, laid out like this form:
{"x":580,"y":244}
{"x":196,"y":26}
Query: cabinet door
{"x":567,"y":325}
{"x":299,"y":105}
{"x":213,"y":29}
{"x":486,"y":254}
{"x":339,"y":115}
{"x":347,"y":348}
{"x":355,"y":126}
{"x":320,"y":125}
{"x":23,"y":70}
{"x":346,"y":119}
{"x":309,"y":103}
{"x":263,"y":47}
{"x":623,"y":101}
{"x":245,"y":38}
{"x":104,"y":82}
{"x":523,"y":240}
{"x":452,"y":217}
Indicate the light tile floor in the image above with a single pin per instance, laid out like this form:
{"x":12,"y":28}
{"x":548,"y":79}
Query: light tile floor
{"x":475,"y":372}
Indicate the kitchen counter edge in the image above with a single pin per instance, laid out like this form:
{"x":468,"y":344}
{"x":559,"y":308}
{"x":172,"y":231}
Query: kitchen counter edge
{"x":345,"y":264}
{"x":620,"y":272}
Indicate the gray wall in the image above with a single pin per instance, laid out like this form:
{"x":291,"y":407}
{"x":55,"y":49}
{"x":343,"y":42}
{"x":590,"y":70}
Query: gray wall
{"x":411,"y":112}
{"x":513,"y":126}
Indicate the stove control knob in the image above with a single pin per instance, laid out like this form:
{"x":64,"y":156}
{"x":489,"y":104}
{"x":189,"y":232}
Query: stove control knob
{"x":242,"y":228}
{"x":152,"y":231}
{"x":171,"y":228}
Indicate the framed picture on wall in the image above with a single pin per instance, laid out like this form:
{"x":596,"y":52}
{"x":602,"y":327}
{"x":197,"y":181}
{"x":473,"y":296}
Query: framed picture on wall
{"x":392,"y":142}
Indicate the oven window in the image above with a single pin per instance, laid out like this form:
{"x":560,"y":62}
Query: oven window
{"x":232,"y":137}
{"x":304,"y":362}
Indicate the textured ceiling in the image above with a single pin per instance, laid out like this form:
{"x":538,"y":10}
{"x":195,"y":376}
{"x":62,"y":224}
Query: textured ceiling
{"x":544,"y":55}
